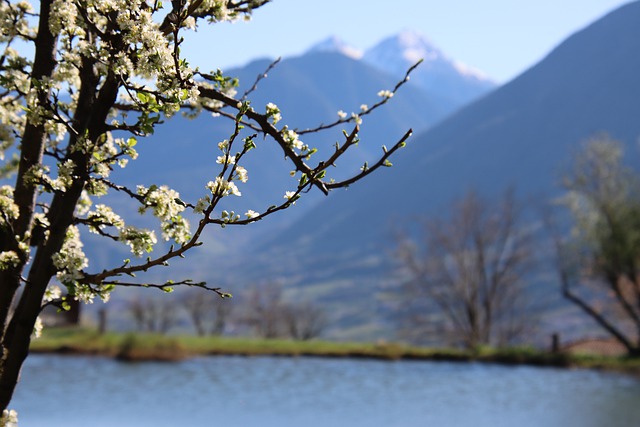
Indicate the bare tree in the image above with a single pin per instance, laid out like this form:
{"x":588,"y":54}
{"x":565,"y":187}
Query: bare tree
{"x":264,"y":309}
{"x":304,"y":321}
{"x":167,"y":314}
{"x":153,"y":315}
{"x":271,"y":316}
{"x":208,"y":312}
{"x":599,"y":264}
{"x":138,"y":313}
{"x":465,"y":277}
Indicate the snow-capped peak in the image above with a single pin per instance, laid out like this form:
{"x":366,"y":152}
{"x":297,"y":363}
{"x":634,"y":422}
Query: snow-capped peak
{"x":439,"y":74}
{"x":336,"y":44}
{"x":398,"y":52}
{"x":415,"y":46}
{"x":407,"y":46}
{"x":469,"y":71}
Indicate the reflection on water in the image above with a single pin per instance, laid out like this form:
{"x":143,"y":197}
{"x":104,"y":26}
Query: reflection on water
{"x":74,"y":391}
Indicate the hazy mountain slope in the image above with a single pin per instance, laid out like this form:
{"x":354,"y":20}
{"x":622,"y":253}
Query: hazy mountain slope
{"x":521,"y":135}
{"x":309,"y":90}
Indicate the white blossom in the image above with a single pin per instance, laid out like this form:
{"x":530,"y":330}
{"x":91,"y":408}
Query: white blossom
{"x":102,"y":217}
{"x":221,"y":187}
{"x":225,"y":160}
{"x":52,"y":293}
{"x":84,"y":204}
{"x":8,"y":208}
{"x":9,"y":259}
{"x":65,"y":178}
{"x":273,"y":112}
{"x":163,"y":200}
{"x":138,"y":240}
{"x":291,"y":138}
{"x":63,"y":15}
{"x":229,"y":217}
{"x":241,"y":174}
{"x":70,"y":260}
{"x":84,"y":294}
{"x":37,"y":328}
{"x":202,"y":204}
{"x":9,"y":418}
{"x":166,"y":205}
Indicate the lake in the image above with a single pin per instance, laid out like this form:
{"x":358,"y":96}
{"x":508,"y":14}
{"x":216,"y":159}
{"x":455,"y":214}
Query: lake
{"x":79,"y":391}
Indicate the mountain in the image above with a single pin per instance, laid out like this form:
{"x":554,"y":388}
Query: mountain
{"x":336,"y":45}
{"x":522,"y":134}
{"x":438,"y":74}
{"x":309,"y":90}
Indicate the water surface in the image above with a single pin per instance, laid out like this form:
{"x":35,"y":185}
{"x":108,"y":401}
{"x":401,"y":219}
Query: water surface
{"x":77,"y":391}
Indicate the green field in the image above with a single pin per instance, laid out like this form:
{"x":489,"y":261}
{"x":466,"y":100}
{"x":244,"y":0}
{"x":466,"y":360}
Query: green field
{"x":144,"y":347}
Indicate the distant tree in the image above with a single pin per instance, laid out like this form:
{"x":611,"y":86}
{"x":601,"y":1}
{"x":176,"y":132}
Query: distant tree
{"x":264,"y":310}
{"x":153,"y":314}
{"x":271,"y":316}
{"x":304,"y":321}
{"x":599,"y":262}
{"x":138,"y":312}
{"x":81,"y":81}
{"x":208,"y":313}
{"x":465,"y":275}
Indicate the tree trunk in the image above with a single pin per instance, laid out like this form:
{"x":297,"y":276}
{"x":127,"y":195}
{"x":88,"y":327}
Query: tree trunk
{"x":89,"y":119}
{"x":33,"y":143}
{"x":632,"y":349}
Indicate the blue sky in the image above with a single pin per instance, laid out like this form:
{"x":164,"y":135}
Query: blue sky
{"x":500,"y":37}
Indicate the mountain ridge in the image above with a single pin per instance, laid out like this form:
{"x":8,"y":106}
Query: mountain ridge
{"x":438,"y":74}
{"x":522,"y":134}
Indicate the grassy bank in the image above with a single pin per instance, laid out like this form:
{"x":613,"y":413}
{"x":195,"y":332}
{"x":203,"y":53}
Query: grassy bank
{"x":177,"y":347}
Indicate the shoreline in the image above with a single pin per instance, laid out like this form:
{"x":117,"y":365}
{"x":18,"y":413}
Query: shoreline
{"x":130,"y":347}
